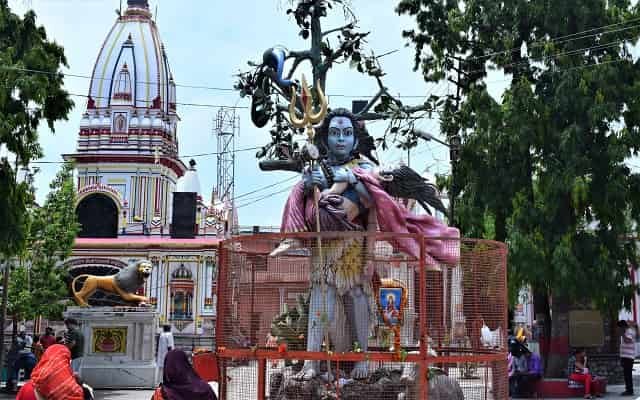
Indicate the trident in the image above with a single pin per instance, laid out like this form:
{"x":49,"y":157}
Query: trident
{"x":308,"y":120}
{"x":308,"y":117}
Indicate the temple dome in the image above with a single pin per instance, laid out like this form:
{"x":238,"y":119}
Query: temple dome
{"x":190,"y":182}
{"x":132,"y":67}
{"x":182,"y":273}
{"x":85,"y":122}
{"x":96,"y":121}
{"x":133,"y":123}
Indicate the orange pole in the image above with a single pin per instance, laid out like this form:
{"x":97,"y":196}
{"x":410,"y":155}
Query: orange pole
{"x":262,"y":374}
{"x":337,"y":380}
{"x":220,"y":339}
{"x":423,"y":384}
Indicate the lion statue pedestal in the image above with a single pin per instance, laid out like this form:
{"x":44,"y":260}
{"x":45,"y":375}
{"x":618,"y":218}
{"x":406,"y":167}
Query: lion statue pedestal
{"x":119,"y":346}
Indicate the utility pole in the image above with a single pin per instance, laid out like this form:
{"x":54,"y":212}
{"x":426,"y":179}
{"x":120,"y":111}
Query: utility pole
{"x":453,"y":137}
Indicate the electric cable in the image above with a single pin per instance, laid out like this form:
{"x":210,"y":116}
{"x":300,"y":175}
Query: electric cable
{"x":179,"y":156}
{"x":563,"y":39}
{"x":265,"y":197}
{"x":214,"y":88}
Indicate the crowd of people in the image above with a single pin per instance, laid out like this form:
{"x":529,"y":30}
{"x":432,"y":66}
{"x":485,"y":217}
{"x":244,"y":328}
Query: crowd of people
{"x":524,"y":366}
{"x":52,"y":366}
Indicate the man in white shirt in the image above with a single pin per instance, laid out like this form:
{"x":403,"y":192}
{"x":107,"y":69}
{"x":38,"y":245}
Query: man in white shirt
{"x":165,"y":343}
{"x":627,"y":353}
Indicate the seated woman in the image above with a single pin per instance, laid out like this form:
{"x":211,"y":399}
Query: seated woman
{"x":53,"y":379}
{"x":180,"y":381}
{"x":577,"y":371}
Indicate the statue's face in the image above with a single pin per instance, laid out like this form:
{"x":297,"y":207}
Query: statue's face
{"x":144,"y":269}
{"x":341,"y":139}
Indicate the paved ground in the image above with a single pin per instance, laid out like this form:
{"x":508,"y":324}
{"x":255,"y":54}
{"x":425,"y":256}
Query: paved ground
{"x":613,"y":393}
{"x":108,"y":395}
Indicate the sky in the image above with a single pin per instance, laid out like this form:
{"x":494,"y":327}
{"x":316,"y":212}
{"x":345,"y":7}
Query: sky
{"x":207,"y":42}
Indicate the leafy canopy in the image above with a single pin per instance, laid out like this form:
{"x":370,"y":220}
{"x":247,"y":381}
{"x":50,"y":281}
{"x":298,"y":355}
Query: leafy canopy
{"x":37,"y":286}
{"x":25,"y":100}
{"x":544,"y":165}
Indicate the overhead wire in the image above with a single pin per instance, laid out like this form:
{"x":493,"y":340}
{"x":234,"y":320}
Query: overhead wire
{"x":266,"y":187}
{"x":213,"y":88}
{"x":557,"y":55}
{"x":265,"y":197}
{"x":179,"y":156}
{"x":563,"y":39}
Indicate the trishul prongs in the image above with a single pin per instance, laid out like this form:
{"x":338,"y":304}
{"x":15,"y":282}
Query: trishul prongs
{"x":308,"y":117}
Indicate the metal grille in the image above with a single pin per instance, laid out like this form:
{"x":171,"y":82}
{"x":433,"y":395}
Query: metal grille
{"x":459,"y":311}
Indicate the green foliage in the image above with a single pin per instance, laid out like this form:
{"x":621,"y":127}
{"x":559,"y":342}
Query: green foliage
{"x":52,"y":232}
{"x":25,"y":100}
{"x":13,"y":217}
{"x":543,"y":169}
{"x":291,"y":326}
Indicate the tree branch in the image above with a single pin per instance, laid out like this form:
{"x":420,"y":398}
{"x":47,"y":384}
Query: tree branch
{"x":402,"y":112}
{"x":324,"y":67}
{"x":299,"y":57}
{"x":350,"y":25}
{"x":373,"y":101}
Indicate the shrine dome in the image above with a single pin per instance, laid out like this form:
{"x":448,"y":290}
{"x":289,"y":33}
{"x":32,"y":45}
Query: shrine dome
{"x":132,"y":68}
{"x":182,"y":273}
{"x":190,"y":182}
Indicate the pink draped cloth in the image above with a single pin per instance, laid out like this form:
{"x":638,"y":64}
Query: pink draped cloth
{"x":391,"y":217}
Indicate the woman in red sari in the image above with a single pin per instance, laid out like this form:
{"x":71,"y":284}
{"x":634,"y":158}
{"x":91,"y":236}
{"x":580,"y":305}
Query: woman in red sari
{"x":52,"y":378}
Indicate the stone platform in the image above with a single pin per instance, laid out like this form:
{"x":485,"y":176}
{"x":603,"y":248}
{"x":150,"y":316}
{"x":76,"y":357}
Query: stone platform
{"x":119,"y":346}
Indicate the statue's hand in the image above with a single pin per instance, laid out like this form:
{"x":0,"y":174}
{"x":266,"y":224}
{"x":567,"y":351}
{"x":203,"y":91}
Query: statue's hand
{"x":314,"y":178}
{"x":344,"y":175}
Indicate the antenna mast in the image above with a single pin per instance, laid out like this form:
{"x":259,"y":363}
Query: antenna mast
{"x":226,"y":127}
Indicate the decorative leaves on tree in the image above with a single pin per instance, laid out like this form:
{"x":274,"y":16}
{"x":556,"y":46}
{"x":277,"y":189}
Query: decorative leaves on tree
{"x":328,"y":48}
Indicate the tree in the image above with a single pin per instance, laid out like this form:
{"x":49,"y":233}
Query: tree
{"x":53,"y":229}
{"x":271,"y":89}
{"x":25,"y":100}
{"x":546,"y":164}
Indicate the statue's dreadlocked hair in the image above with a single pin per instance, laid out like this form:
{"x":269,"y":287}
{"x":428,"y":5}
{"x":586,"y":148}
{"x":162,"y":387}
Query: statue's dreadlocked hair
{"x":365,"y":144}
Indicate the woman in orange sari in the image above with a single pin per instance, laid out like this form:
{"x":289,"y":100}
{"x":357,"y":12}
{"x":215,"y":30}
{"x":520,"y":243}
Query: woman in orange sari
{"x":52,"y":378}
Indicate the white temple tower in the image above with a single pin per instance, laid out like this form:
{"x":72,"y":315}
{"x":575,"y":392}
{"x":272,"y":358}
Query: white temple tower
{"x":127,"y":154}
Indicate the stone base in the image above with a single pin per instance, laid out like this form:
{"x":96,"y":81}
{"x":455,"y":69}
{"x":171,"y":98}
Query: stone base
{"x":119,"y":346}
{"x":382,"y":383}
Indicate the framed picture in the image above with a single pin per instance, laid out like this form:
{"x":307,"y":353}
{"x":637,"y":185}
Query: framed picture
{"x":109,"y":340}
{"x":392,"y":301}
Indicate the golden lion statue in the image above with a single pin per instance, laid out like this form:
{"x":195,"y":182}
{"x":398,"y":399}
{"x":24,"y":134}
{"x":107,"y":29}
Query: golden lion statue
{"x":124,"y":283}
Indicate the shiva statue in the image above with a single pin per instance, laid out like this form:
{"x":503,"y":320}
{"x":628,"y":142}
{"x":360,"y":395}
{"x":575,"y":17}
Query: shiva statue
{"x":345,"y":191}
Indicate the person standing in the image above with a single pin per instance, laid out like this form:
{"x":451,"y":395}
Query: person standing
{"x":26,"y":359}
{"x":627,"y":354}
{"x":48,"y":338}
{"x":165,"y":344}
{"x":37,"y":348}
{"x":74,"y":340}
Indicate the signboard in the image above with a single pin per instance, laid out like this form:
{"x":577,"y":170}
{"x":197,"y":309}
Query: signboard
{"x":586,"y":328}
{"x":109,"y":340}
